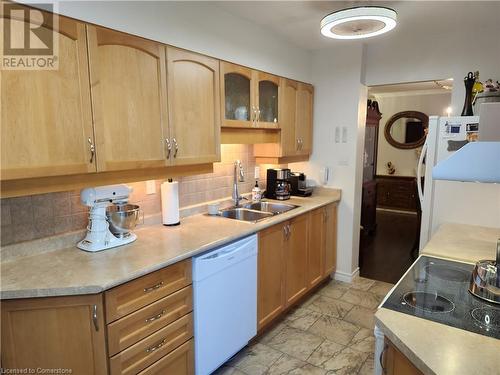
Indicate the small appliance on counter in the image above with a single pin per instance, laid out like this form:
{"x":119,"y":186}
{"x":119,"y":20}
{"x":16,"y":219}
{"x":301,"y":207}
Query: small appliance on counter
{"x":111,"y":218}
{"x":298,"y":185}
{"x":278,"y":184}
{"x":170,"y":203}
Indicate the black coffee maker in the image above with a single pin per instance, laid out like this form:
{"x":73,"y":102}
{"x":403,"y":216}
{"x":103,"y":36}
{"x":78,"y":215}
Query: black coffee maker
{"x":278,"y":184}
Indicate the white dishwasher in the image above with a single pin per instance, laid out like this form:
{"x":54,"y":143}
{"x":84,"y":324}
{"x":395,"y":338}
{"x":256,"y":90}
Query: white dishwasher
{"x":225,"y":302}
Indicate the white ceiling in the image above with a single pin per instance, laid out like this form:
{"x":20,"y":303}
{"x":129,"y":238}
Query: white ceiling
{"x":298,"y":21}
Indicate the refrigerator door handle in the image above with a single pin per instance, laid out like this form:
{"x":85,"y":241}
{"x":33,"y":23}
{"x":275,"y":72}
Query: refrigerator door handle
{"x":419,"y":172}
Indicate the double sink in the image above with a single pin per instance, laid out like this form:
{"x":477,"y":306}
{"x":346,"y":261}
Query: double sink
{"x":256,"y":211}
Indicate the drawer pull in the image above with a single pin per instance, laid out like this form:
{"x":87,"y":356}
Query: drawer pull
{"x":153,"y":348}
{"x":153,"y":318}
{"x":154,"y":287}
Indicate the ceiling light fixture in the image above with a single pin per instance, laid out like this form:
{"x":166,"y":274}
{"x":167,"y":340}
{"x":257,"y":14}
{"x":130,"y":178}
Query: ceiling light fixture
{"x":358,"y":23}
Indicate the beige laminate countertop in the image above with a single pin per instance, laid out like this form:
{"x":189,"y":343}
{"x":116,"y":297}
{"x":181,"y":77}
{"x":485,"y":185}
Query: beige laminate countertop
{"x":72,"y":271}
{"x":437,"y":348}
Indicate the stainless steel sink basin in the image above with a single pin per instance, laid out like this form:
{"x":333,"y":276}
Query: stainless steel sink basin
{"x":272,"y":207}
{"x":244,"y":214}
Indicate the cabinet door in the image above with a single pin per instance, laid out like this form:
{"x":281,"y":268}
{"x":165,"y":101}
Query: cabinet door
{"x":46,"y":117}
{"x":267,"y":99}
{"x":237,"y":104}
{"x":271,"y":274}
{"x":194,"y":107}
{"x":128,"y":95}
{"x":396,"y":363}
{"x":296,"y":260}
{"x":316,"y":247}
{"x":179,"y":361}
{"x":330,"y":239}
{"x":288,"y":109}
{"x":59,"y":332}
{"x":304,"y":122}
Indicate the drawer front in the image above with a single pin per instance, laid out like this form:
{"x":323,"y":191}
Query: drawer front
{"x":178,"y":362}
{"x":138,"y":293}
{"x":143,"y":354}
{"x":134,"y":327}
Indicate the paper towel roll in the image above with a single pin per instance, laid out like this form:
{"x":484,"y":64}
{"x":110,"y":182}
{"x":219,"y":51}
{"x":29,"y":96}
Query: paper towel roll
{"x":170,"y":203}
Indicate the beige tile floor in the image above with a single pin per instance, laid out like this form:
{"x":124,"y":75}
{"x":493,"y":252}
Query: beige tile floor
{"x":329,"y":333}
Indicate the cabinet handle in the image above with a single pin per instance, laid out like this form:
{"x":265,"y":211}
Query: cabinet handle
{"x":254,"y":116}
{"x":94,"y":318}
{"x":169,"y":147}
{"x":154,"y":287}
{"x":156,"y":317}
{"x":176,"y":147}
{"x":298,"y":144}
{"x":285,"y":231}
{"x":92,"y":150}
{"x":258,"y":115}
{"x":156,"y":346}
{"x":381,"y":359}
{"x":289,"y":231}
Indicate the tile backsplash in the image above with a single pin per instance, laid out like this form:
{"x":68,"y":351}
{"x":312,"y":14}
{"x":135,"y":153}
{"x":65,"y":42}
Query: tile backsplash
{"x":37,"y":216}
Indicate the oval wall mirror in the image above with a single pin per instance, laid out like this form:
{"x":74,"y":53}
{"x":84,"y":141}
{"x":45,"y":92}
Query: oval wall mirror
{"x":406,"y":129}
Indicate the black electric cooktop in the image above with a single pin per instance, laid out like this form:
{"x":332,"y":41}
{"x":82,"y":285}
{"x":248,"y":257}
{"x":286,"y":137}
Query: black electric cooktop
{"x":438,"y":290}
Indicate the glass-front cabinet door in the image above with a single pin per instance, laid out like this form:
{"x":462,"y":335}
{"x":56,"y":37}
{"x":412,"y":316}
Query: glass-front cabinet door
{"x":238,"y":109}
{"x":267,"y":100}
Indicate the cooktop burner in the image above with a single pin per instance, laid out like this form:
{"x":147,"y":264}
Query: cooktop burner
{"x":486,"y":318}
{"x":448,"y":273}
{"x":438,"y":290}
{"x":430,"y":302}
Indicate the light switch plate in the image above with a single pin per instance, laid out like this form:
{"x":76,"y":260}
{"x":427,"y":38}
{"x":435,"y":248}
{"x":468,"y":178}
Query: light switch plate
{"x":344,"y":134}
{"x":337,"y":134}
{"x":256,"y":173}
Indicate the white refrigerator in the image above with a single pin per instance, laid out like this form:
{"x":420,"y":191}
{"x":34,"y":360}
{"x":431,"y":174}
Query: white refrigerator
{"x":453,"y":201}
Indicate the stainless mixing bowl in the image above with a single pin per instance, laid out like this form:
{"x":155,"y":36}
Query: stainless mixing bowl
{"x":122,"y":218}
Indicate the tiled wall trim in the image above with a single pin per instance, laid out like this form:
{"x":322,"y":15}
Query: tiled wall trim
{"x":37,"y":216}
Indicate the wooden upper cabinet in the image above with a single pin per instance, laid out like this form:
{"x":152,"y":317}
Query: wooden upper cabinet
{"x":194,"y":107}
{"x":288,"y":120}
{"x":55,"y":332}
{"x":296,"y":259}
{"x":304,"y":118}
{"x":46,"y":118}
{"x":237,"y":96}
{"x":128,"y":78}
{"x":266,"y":99}
{"x":330,"y":264}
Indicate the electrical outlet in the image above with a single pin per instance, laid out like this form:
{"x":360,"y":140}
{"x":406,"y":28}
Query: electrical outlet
{"x":150,"y":187}
{"x":256,"y":173}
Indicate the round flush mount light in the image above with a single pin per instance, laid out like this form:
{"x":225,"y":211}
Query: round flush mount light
{"x":358,"y":23}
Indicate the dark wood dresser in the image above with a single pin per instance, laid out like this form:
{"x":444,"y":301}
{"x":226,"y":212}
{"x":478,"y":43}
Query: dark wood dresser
{"x":397,"y":192}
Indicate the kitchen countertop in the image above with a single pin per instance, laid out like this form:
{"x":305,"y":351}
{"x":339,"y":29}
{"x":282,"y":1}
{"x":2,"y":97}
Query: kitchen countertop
{"x":71,"y":271}
{"x":437,"y":348}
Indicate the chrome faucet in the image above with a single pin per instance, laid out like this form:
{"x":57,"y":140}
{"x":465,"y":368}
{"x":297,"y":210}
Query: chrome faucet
{"x":238,"y":176}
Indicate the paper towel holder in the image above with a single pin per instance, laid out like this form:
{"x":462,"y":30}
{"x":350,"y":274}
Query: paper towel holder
{"x":170,"y":203}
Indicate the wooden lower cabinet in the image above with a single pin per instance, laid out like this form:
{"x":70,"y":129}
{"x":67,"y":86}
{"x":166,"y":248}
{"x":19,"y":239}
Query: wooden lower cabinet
{"x":55,"y":332}
{"x":180,"y":361}
{"x":330,"y":264}
{"x":293,"y":257}
{"x":296,"y":259}
{"x":396,"y":363}
{"x":271,"y":274}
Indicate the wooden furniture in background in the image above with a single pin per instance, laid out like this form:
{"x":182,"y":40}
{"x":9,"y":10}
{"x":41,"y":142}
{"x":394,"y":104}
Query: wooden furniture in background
{"x":369,"y":192}
{"x":148,"y":328}
{"x":46,"y":116}
{"x":55,"y":332}
{"x":397,"y":193}
{"x":194,"y":107}
{"x":396,"y":363}
{"x":293,"y":257}
{"x":128,"y":83}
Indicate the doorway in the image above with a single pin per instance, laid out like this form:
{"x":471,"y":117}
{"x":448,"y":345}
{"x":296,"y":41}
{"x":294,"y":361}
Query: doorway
{"x":396,"y":126}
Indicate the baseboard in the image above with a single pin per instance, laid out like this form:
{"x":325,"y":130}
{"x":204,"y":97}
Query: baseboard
{"x":346,"y":277}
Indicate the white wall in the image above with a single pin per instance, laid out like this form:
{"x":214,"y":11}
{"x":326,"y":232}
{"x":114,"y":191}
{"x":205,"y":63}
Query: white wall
{"x":200,"y":27}
{"x":338,"y":93}
{"x":405,"y":161}
{"x":433,"y":54}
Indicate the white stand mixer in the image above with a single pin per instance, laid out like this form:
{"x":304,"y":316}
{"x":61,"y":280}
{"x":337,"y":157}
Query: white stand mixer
{"x":99,"y":237}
